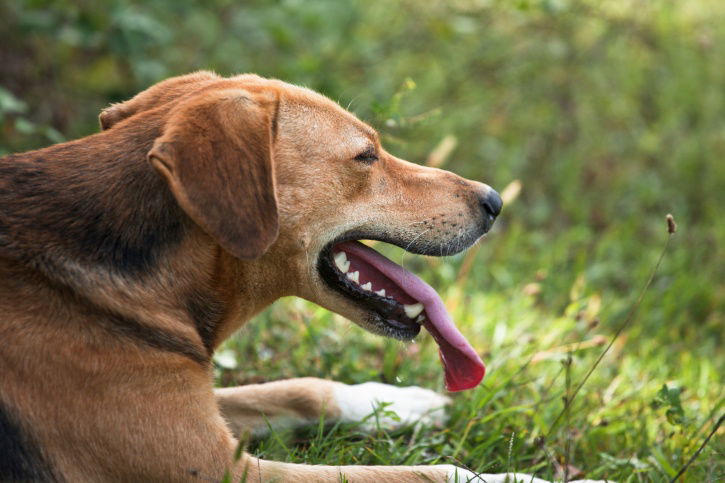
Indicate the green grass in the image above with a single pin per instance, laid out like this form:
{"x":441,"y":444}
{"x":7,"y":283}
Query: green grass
{"x":609,"y":114}
{"x":620,"y":426}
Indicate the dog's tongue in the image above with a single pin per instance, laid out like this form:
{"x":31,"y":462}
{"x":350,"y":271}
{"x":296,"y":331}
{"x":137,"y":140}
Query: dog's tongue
{"x":463,"y":368}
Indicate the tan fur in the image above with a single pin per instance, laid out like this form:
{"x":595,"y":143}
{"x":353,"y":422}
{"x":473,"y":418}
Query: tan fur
{"x":106,"y":342}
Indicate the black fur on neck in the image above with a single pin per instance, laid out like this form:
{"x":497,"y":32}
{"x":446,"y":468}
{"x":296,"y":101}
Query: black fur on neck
{"x":91,"y":202}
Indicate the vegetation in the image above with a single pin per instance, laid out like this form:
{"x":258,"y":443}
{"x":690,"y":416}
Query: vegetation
{"x":606,"y":115}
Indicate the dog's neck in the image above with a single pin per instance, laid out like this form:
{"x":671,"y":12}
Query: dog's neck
{"x":92,"y":217}
{"x":93,"y":202}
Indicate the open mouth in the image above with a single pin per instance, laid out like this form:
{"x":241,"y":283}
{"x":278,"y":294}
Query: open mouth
{"x":398,"y":304}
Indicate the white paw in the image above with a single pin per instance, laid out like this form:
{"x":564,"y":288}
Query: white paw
{"x":461,"y":475}
{"x":410,"y":404}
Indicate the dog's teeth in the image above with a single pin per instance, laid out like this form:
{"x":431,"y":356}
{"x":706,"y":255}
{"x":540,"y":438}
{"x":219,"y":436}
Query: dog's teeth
{"x":368,"y":286}
{"x":354,"y":276}
{"x":420,"y":319}
{"x":381,"y":292}
{"x":414,"y":310}
{"x":342,"y":262}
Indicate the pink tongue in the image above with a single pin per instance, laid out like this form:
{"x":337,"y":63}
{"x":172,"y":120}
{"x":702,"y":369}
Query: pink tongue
{"x":464,"y":369}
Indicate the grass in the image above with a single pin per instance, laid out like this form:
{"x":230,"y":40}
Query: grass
{"x":608,"y":115}
{"x":632,"y":420}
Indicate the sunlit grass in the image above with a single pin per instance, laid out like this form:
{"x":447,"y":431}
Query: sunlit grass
{"x":535,"y":354}
{"x":609,"y":114}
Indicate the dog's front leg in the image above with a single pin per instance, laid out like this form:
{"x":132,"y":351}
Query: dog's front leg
{"x":254,"y":470}
{"x":305,"y":400}
{"x":258,"y":470}
{"x":297,"y":402}
{"x":291,"y":402}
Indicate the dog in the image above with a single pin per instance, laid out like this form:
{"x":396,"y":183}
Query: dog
{"x":128,"y":256}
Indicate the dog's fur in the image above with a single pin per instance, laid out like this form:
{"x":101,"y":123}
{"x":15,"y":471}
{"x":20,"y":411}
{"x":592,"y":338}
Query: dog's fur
{"x":127,"y":256}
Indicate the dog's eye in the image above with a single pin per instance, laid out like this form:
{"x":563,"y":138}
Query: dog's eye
{"x":368,"y":156}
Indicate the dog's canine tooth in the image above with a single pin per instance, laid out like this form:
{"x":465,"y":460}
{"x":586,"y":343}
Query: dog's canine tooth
{"x":420,"y":319}
{"x":342,"y":262}
{"x":381,"y":292}
{"x":354,"y":276}
{"x":368,"y":286}
{"x":413,"y":310}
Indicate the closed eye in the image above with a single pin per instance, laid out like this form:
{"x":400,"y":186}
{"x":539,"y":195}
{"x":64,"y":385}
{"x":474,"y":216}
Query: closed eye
{"x":368,"y":156}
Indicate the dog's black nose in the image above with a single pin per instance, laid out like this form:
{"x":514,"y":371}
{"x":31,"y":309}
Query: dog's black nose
{"x":491,"y":203}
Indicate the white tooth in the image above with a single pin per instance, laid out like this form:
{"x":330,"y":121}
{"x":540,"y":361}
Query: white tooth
{"x":381,"y":292}
{"x":414,"y":310}
{"x":420,"y":319}
{"x":354,"y":276}
{"x":341,"y":261}
{"x":367,"y":286}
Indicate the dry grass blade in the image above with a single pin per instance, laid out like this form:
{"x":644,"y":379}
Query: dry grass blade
{"x":442,"y":151}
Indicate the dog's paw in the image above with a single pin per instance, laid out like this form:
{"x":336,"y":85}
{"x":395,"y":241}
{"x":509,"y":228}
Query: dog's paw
{"x":461,"y":475}
{"x":390,"y":406}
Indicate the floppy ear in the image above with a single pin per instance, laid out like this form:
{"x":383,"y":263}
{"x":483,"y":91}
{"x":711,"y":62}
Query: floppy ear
{"x":156,"y":95}
{"x":216,"y":154}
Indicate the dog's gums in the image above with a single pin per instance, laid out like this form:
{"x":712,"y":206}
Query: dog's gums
{"x":403,"y":302}
{"x":412,"y":311}
{"x":387,"y":304}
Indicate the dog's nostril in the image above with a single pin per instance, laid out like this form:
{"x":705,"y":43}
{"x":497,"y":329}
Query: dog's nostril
{"x":492,"y":203}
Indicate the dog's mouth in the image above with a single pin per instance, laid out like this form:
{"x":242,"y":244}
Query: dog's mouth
{"x":398,"y":304}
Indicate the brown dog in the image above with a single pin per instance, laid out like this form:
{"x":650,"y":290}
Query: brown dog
{"x":127,"y":256}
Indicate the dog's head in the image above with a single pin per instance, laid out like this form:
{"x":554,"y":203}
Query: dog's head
{"x":281,"y":176}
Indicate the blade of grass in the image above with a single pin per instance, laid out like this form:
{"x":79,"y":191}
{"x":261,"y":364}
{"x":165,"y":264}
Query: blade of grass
{"x":699,"y":450}
{"x":620,"y":329}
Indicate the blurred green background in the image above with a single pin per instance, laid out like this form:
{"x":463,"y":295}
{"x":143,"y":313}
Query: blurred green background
{"x":607,"y":115}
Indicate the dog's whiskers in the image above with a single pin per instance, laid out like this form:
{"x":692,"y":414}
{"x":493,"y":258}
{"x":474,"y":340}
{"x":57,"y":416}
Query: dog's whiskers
{"x":411,"y":244}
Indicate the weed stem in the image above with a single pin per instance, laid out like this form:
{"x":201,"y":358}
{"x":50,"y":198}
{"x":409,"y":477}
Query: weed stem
{"x":625,"y":324}
{"x":697,"y":453}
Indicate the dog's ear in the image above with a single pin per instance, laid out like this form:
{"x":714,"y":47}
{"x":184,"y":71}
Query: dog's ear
{"x":156,"y":95}
{"x":216,"y":154}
